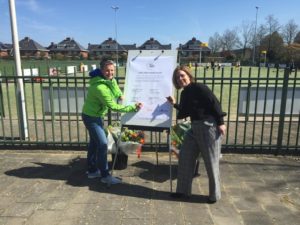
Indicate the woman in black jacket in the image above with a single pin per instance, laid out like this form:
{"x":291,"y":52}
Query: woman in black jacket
{"x":199,"y":103}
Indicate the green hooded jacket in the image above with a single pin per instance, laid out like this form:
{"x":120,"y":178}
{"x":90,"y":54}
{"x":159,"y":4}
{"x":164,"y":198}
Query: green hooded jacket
{"x":101,"y":96}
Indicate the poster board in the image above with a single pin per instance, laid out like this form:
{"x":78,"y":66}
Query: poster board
{"x":149,"y":81}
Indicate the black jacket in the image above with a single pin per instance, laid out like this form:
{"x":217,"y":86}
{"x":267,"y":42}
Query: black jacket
{"x":198,"y":102}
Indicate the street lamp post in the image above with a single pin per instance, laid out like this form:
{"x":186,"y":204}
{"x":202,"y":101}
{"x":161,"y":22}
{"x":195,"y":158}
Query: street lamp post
{"x":254,"y":47}
{"x":115,"y":8}
{"x":200,"y":55}
{"x":20,"y":94}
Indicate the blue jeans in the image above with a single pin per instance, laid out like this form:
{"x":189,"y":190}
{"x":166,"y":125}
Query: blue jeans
{"x":97,"y":148}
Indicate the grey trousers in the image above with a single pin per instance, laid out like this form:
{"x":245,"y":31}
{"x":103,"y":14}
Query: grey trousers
{"x":205,"y":138}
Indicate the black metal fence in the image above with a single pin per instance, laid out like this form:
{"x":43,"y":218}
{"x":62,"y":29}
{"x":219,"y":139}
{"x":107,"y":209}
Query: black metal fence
{"x":263,"y":107}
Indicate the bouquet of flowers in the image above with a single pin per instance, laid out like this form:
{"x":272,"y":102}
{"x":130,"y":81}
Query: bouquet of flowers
{"x":133,"y":136}
{"x":132,"y":141}
{"x":178,"y":132}
{"x":128,"y":140}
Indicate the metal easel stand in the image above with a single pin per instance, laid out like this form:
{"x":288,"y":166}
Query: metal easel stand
{"x":116,"y":154}
{"x":170,"y":155}
{"x":156,"y":145}
{"x":170,"y":158}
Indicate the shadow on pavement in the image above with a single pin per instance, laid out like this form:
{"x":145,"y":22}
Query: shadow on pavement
{"x":157,"y":173}
{"x":75,"y":175}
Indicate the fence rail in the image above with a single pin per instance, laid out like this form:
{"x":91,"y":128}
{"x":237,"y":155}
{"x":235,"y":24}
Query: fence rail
{"x":263,"y":107}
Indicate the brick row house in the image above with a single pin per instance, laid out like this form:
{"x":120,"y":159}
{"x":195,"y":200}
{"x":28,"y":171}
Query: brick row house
{"x":110,"y":48}
{"x":192,"y":50}
{"x":68,"y":48}
{"x":31,"y":49}
{"x":153,"y":44}
{"x":28,"y":49}
{"x":5,"y":50}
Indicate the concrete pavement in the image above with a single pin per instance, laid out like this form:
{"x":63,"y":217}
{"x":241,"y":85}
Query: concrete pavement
{"x":51,"y":187}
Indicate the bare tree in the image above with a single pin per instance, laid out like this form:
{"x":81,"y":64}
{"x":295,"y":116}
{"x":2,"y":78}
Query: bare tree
{"x":261,"y":33}
{"x":230,"y":40}
{"x":247,"y":29}
{"x":215,"y":43}
{"x":272,"y":26}
{"x":297,"y":38}
{"x":289,"y":31}
{"x":276,"y":49}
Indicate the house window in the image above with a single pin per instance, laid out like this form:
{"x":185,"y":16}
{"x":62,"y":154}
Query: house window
{"x":152,"y":47}
{"x":106,"y":46}
{"x":194,"y":46}
{"x":61,"y":45}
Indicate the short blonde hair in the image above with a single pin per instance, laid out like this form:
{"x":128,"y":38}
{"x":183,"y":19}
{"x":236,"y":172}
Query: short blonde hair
{"x":182,"y":68}
{"x":106,"y":62}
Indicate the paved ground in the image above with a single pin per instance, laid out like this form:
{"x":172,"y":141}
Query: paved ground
{"x":51,"y":188}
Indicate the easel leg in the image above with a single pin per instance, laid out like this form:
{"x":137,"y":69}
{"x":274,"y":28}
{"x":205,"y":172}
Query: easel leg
{"x":116,"y":155}
{"x":170,"y":161}
{"x":156,"y":151}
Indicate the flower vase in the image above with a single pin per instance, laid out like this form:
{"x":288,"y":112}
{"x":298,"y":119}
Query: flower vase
{"x":129,"y":147}
{"x":121,"y":160}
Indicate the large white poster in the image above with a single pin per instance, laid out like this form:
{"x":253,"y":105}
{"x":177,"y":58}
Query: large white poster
{"x":149,"y":81}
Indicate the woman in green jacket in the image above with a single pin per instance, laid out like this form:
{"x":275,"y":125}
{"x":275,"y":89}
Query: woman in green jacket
{"x":102,"y":94}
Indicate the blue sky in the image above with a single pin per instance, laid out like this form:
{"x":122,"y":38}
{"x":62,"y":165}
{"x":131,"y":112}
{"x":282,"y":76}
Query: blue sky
{"x":168,"y":21}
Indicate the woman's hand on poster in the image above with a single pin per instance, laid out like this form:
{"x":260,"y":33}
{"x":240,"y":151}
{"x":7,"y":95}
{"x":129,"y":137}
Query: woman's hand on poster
{"x":138,"y":106}
{"x":171,"y":100}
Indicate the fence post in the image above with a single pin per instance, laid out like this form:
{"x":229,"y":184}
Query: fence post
{"x":282,"y":110}
{"x":196,"y":71}
{"x":248,"y":100}
{"x":2,"y":114}
{"x":51,"y":93}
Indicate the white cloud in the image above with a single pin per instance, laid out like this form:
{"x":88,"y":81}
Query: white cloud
{"x":36,"y":25}
{"x":38,"y":31}
{"x":30,"y":4}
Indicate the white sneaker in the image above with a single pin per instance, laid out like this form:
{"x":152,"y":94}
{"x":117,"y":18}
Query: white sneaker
{"x":94,"y":175}
{"x":111,"y":180}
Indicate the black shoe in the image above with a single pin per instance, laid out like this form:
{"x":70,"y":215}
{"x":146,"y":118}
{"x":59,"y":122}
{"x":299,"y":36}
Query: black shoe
{"x":197,"y":175}
{"x":209,"y":201}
